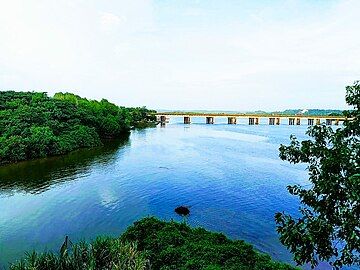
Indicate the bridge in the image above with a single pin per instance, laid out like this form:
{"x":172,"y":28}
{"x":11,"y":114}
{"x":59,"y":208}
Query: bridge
{"x":253,"y":119}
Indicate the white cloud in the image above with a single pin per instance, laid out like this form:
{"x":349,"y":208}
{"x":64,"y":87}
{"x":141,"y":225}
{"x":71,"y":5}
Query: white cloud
{"x":193,"y":12}
{"x":138,"y":52}
{"x":110,"y":21}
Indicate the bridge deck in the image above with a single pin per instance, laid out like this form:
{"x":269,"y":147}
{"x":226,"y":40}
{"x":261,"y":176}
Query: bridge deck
{"x":247,"y":115}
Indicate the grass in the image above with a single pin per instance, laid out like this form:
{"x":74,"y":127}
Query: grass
{"x":103,"y":253}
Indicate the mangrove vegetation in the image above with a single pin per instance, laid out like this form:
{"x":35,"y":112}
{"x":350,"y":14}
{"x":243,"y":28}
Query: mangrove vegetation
{"x":34,"y":125}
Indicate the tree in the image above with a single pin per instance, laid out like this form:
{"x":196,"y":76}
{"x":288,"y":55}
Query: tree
{"x":41,"y":142}
{"x":328,"y":227}
{"x":34,"y":125}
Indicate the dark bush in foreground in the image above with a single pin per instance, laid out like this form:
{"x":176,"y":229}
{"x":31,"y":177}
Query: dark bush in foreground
{"x":159,"y":245}
{"x":172,"y":245}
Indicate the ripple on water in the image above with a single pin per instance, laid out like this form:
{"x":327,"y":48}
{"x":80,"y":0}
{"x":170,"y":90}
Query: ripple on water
{"x":230,"y":176}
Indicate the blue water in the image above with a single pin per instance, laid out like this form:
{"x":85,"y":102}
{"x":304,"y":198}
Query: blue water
{"x":230,"y":176}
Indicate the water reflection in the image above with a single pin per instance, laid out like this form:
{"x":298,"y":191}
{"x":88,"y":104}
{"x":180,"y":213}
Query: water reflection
{"x":37,"y":176}
{"x":230,"y":175}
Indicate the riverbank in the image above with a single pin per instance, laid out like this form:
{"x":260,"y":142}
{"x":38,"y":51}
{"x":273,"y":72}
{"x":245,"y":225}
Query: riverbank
{"x":103,"y":190}
{"x":154,"y":244}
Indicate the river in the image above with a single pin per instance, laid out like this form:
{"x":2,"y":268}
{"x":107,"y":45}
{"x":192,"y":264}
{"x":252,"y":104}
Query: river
{"x":229,"y":175}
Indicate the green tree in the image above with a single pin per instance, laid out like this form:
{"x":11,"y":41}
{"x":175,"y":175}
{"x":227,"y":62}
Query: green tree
{"x":34,"y":125}
{"x":328,"y":226}
{"x":41,"y":142}
{"x":110,"y":126}
{"x":12,"y":149}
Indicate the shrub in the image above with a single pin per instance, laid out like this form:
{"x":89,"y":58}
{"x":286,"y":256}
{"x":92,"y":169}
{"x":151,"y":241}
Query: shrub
{"x":159,"y":245}
{"x":172,"y":245}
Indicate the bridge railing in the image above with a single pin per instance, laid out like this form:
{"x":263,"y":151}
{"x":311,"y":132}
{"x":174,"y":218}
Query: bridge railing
{"x":254,"y":119}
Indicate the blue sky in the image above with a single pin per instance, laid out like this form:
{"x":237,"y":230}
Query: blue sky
{"x":222,"y":55}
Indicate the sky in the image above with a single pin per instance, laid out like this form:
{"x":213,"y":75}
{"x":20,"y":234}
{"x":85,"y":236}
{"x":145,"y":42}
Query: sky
{"x":201,"y":54}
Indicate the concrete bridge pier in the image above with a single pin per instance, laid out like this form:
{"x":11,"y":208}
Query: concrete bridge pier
{"x":318,"y":122}
{"x":291,"y":121}
{"x":337,"y":122}
{"x":310,"y":122}
{"x":209,"y":120}
{"x":232,"y":120}
{"x":187,"y":120}
{"x":253,"y":120}
{"x":328,"y":122}
{"x":298,"y":121}
{"x":271,"y":121}
{"x":278,"y":121}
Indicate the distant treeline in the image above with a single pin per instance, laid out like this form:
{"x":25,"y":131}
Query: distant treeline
{"x":33,"y":125}
{"x":309,"y":112}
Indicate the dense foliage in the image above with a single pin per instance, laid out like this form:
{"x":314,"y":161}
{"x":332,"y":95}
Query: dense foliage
{"x":103,"y":253}
{"x":159,"y":245}
{"x":328,"y":228}
{"x":34,"y":125}
{"x":172,"y":245}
